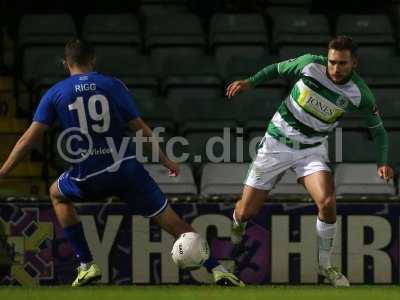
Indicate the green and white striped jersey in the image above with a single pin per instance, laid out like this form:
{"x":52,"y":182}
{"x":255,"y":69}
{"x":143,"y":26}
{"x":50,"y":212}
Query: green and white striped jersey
{"x":315,"y":104}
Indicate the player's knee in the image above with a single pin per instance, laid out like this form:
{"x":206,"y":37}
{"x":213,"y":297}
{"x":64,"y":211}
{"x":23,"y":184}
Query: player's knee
{"x":328,"y":205}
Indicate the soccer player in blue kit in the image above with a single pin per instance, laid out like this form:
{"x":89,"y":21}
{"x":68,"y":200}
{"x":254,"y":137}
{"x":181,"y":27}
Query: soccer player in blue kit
{"x":99,"y":107}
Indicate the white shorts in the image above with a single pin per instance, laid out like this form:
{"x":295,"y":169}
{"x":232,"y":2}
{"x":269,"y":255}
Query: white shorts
{"x":274,"y":158}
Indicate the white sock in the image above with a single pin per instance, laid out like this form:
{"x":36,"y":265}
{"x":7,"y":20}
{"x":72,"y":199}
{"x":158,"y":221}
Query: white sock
{"x":237,"y":222}
{"x":326,"y":235}
{"x":86,"y":266}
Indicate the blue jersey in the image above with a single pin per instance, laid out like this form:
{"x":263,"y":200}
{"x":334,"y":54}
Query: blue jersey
{"x":98,"y":107}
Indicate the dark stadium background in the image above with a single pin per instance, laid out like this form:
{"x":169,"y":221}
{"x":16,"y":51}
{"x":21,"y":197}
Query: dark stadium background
{"x":177,"y":54}
{"x":177,"y":57}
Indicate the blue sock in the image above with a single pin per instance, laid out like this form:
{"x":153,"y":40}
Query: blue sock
{"x":210,"y":264}
{"x":76,"y":238}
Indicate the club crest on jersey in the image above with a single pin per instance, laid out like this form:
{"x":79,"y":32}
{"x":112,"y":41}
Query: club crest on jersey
{"x":342,"y":102}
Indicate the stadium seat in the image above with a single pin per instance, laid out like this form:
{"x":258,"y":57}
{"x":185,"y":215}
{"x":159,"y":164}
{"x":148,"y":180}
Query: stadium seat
{"x":222,"y":136}
{"x":223,"y":179}
{"x":45,"y":29}
{"x":123,"y":62}
{"x":394,"y":146}
{"x":224,"y":54}
{"x":389,"y":105}
{"x":239,"y":67}
{"x":156,"y":112}
{"x":158,"y":117}
{"x":180,"y":185}
{"x":42,"y":66}
{"x":162,"y":7}
{"x":238,"y":29}
{"x":301,"y":29}
{"x":159,"y":55}
{"x":361,"y":179}
{"x":357,"y":146}
{"x":259,"y":104}
{"x":276,"y":11}
{"x":143,"y":93}
{"x":397,"y":23}
{"x":211,"y":145}
{"x":242,"y":35}
{"x":376,"y":73}
{"x":293,"y":51}
{"x":366,"y":29}
{"x":374,"y":52}
{"x":154,"y":108}
{"x":167,"y":35}
{"x":288,"y":185}
{"x":277,"y":7}
{"x":194,"y":92}
{"x":202,"y":110}
{"x":112,"y":29}
{"x":189,"y":72}
{"x":164,"y":2}
{"x":295,"y":3}
{"x":352,"y":120}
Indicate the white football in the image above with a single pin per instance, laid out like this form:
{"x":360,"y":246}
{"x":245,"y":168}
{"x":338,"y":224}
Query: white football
{"x":190,"y":251}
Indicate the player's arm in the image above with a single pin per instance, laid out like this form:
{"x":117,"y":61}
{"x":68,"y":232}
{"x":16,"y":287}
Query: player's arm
{"x":267,"y":73}
{"x":31,"y":138}
{"x":381,"y":142}
{"x":379,"y":135}
{"x":289,"y":69}
{"x":139,"y":124}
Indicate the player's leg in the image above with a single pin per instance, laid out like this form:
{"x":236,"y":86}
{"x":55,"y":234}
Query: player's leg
{"x":320,"y":185}
{"x":144,"y":196}
{"x":174,"y":225}
{"x":273,"y":159}
{"x":64,"y":209}
{"x":246,"y":208}
{"x":68,"y":218}
{"x":321,"y":188}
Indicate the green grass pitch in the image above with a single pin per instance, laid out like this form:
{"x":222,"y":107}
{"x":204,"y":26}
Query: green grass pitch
{"x":201,"y":292}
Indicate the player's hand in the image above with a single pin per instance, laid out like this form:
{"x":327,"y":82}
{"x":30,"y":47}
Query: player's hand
{"x":237,"y":86}
{"x":173,"y":167}
{"x":385,"y":172}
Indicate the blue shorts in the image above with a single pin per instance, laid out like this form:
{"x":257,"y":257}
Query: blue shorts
{"x":131,"y":183}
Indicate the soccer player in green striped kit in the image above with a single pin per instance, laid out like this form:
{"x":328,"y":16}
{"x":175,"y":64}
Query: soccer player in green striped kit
{"x":324,"y":89}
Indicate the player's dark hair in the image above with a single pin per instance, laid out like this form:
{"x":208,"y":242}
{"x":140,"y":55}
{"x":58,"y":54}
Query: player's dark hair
{"x":344,"y":43}
{"x":79,"y":52}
